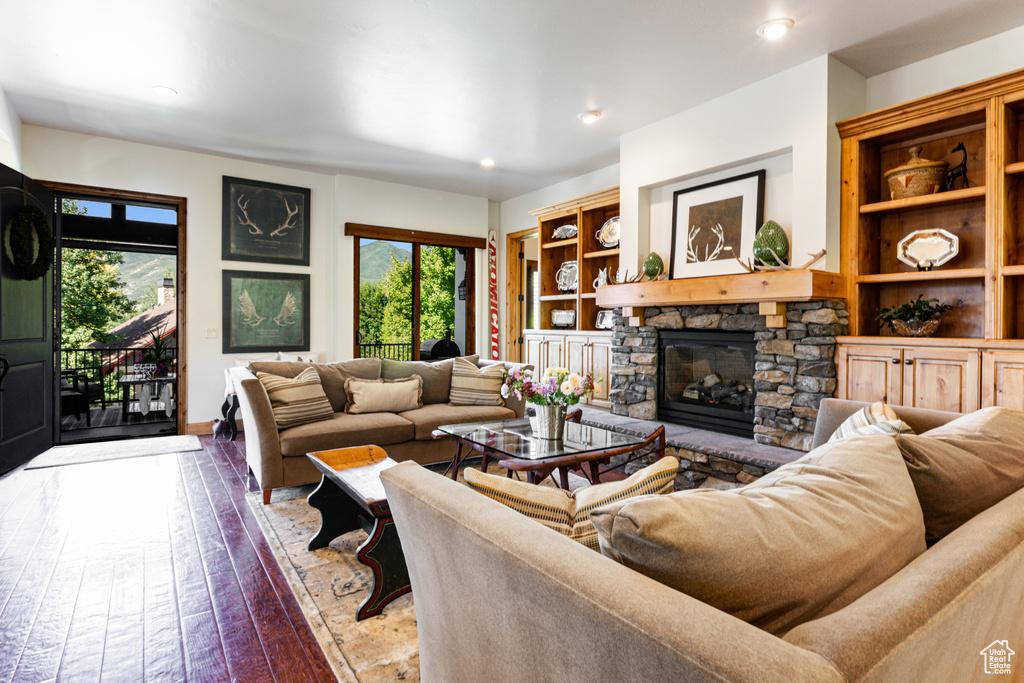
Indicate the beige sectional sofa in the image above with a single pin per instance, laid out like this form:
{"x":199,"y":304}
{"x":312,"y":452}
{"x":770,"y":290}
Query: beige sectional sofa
{"x":277,"y":458}
{"x":561,"y":611}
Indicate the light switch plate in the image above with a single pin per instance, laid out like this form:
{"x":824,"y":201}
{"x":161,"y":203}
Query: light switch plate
{"x":212,"y":332}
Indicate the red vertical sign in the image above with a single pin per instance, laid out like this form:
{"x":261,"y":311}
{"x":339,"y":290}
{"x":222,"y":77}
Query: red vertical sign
{"x":492,"y":281}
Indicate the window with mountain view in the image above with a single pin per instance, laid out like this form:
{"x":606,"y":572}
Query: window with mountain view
{"x":408,"y":297}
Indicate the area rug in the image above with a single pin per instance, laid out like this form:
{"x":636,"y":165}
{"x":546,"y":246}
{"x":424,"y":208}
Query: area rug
{"x":78,"y":454}
{"x":330,"y":584}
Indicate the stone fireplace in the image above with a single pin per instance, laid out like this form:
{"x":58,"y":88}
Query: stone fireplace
{"x":793,"y":366}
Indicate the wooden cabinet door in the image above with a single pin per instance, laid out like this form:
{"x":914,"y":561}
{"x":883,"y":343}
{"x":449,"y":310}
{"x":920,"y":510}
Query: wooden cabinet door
{"x":942,"y":379}
{"x":1002,"y":379}
{"x":600,"y":357}
{"x":554,"y":351}
{"x":869,"y":373}
{"x":575,"y":354}
{"x":533,"y":346}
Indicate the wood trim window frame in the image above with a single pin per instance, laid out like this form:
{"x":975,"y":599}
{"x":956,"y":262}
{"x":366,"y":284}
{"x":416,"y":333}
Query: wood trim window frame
{"x":418,"y":238}
{"x":180,"y":205}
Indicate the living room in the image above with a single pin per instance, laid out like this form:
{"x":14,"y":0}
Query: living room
{"x":783,"y":122}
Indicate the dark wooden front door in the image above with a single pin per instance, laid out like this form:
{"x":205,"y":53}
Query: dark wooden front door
{"x":26,"y":337}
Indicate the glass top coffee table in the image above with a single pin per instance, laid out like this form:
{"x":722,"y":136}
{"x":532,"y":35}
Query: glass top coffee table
{"x":582,"y":447}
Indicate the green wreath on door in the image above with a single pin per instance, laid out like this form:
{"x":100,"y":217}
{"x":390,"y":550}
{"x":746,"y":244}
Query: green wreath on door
{"x":27,"y":221}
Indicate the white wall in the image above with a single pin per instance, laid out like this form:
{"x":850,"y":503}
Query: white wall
{"x":983,"y":59}
{"x":10,"y":134}
{"x":57,"y":155}
{"x":515,"y":213}
{"x":788,"y":116}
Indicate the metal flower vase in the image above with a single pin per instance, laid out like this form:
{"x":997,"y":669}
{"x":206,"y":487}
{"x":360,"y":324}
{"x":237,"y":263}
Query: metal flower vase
{"x":550,"y":422}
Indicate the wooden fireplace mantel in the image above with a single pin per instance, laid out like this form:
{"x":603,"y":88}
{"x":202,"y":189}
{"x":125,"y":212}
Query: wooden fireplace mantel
{"x":770,"y":289}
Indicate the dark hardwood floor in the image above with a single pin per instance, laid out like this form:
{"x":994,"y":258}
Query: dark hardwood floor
{"x":145,"y":569}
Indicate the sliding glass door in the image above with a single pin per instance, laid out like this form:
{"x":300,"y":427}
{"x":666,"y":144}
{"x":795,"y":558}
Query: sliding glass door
{"x":414,"y":298}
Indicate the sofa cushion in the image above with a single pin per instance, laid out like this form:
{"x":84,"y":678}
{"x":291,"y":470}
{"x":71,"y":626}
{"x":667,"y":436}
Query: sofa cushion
{"x":567,"y":512}
{"x":332,"y":376}
{"x":437,"y":375}
{"x":296,"y":400}
{"x":877,"y":418}
{"x":800,"y":542}
{"x":965,"y":466}
{"x":346,"y":430}
{"x":428,"y":418}
{"x":383,"y":395}
{"x":472,"y":386}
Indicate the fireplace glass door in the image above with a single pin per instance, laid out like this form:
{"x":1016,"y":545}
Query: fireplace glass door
{"x":706,"y":380}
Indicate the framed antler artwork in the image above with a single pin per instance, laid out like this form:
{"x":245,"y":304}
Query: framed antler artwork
{"x":265,"y":222}
{"x":265,"y":311}
{"x":715,"y":222}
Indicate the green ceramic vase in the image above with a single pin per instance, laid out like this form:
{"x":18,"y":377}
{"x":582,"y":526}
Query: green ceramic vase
{"x":653,"y":266}
{"x":771,"y":236}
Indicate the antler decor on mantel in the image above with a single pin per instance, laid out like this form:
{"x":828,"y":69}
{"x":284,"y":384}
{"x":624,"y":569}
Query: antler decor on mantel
{"x":761,"y":267}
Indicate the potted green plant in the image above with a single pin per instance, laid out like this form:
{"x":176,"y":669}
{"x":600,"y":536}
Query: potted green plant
{"x":916,"y":318}
{"x":158,"y":352}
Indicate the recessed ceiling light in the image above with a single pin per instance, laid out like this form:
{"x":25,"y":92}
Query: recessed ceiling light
{"x":164,"y":90}
{"x":589,"y":116}
{"x":774,"y":29}
{"x":487,"y":163}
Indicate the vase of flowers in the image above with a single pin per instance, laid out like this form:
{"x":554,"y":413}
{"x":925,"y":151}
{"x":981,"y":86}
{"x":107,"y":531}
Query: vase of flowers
{"x":551,"y":393}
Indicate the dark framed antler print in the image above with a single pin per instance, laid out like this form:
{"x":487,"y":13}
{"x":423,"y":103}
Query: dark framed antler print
{"x":265,"y":222}
{"x":265,"y":311}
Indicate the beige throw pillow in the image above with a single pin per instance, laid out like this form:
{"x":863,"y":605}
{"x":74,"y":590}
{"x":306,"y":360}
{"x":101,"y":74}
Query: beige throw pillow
{"x":965,"y":466}
{"x":383,"y":395}
{"x":298,"y":400}
{"x":567,"y":512}
{"x":798,"y":543}
{"x":877,"y":418}
{"x":472,"y":386}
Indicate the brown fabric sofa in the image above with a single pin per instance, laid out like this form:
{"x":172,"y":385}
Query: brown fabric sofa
{"x":278,"y":458}
{"x":569,"y":613}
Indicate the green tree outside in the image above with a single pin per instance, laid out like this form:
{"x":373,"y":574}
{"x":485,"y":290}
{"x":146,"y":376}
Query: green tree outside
{"x":437,"y":292}
{"x":92,"y":300}
{"x":372,"y":301}
{"x":396,"y":321}
{"x":385,"y":313}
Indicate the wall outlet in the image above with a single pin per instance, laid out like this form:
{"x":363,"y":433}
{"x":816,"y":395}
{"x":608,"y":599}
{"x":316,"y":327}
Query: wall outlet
{"x":212,"y":332}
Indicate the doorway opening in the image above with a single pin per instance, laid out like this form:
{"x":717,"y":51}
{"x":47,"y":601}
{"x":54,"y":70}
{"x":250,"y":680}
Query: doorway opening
{"x":118,"y":315}
{"x":522,"y":301}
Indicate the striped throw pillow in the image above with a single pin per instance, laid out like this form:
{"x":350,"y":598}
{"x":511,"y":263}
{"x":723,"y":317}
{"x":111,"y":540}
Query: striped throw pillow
{"x":472,"y":386}
{"x":569,"y":513}
{"x":296,"y":401}
{"x":877,"y":418}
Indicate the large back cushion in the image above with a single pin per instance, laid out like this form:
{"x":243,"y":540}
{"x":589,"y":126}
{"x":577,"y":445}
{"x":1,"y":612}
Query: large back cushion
{"x":437,"y":375}
{"x":965,"y":466}
{"x":332,"y":375}
{"x":803,"y":541}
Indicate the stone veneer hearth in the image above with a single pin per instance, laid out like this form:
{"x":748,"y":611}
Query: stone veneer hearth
{"x":794,"y":367}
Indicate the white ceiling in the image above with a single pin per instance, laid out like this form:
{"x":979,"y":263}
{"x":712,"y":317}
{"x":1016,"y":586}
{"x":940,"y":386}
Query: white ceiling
{"x":418,"y":91}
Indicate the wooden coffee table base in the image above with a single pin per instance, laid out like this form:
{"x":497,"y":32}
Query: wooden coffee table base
{"x":343,"y":509}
